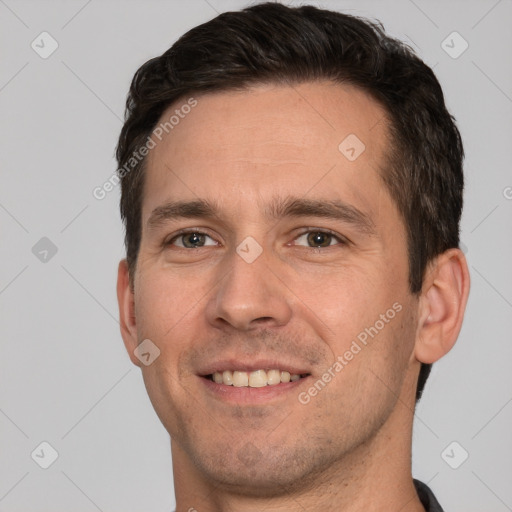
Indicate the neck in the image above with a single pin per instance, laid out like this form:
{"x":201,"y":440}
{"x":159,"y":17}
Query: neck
{"x":375,"y":476}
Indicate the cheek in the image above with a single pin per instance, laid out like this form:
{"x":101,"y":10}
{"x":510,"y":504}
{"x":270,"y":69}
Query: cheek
{"x":364,"y":316}
{"x":371,"y":363}
{"x":166,"y":392}
{"x":343,"y":302}
{"x":165,"y":303}
{"x":386,"y":345}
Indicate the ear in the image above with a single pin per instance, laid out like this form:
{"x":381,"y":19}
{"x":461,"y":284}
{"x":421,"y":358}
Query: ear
{"x":441,"y":306}
{"x":126,"y":302}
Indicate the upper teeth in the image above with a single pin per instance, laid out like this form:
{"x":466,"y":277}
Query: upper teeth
{"x":256,"y":379}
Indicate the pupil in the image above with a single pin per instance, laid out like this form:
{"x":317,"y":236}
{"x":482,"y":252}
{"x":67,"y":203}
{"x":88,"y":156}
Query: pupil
{"x":193,"y":240}
{"x":319,"y":239}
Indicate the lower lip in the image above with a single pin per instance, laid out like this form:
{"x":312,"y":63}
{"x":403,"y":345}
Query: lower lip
{"x":248,"y":395}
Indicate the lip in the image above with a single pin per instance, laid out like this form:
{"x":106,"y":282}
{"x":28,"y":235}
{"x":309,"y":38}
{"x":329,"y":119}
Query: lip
{"x":234,"y":364}
{"x":252,"y":396}
{"x":246,"y":395}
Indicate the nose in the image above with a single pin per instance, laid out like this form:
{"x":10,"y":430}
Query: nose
{"x":249,"y":296}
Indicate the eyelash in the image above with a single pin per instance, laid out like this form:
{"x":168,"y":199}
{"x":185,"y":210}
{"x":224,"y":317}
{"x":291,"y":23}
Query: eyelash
{"x":341,"y":240}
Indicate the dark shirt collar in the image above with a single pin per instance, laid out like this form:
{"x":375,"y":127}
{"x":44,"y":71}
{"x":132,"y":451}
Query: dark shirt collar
{"x":427,"y":498}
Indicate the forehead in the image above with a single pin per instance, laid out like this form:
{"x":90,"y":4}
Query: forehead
{"x":316,"y":139}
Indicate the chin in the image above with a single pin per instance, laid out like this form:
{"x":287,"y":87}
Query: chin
{"x":270,"y":472}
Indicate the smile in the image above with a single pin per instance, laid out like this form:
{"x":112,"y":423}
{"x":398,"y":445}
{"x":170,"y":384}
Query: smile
{"x":254,"y":379}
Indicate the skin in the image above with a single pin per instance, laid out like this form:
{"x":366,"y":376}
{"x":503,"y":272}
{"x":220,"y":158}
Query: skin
{"x":349,"y":447}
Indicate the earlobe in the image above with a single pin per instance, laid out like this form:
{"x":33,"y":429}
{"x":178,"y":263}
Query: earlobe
{"x":441,"y":306}
{"x":127,"y":320}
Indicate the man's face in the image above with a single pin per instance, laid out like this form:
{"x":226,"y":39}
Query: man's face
{"x":294,"y":257}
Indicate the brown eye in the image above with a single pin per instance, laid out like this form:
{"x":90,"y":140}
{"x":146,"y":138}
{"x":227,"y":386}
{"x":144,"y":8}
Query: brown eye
{"x":318,"y":239}
{"x":192,"y":240}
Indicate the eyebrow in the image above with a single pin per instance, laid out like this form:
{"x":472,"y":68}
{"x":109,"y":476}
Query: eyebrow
{"x":277,"y":209}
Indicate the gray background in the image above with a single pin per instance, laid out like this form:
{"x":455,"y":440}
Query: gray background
{"x":65,"y":376}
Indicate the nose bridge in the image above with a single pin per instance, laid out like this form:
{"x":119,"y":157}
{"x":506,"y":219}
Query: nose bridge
{"x":249,"y":294}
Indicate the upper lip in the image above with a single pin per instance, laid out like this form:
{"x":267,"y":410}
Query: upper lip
{"x":235,"y":364}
